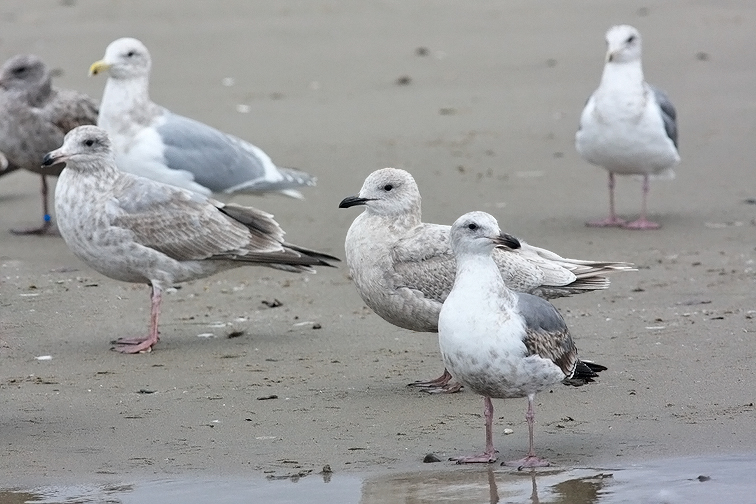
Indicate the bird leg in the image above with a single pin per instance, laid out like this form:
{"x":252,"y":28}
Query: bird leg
{"x":612,"y":220}
{"x":530,"y":459}
{"x":489,"y":455}
{"x":643,"y":223}
{"x":46,"y":226}
{"x":438,"y":385}
{"x":142,"y":345}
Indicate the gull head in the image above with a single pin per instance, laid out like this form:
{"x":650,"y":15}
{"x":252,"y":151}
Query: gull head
{"x":387,"y":192}
{"x":623,"y":44}
{"x":478,"y":233}
{"x":24,"y":72}
{"x":84,"y":148}
{"x":125,"y":58}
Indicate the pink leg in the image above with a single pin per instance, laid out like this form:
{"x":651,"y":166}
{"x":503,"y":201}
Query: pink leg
{"x":46,"y":226}
{"x":530,"y":459}
{"x":438,"y":385}
{"x":612,"y":220}
{"x":643,"y":223}
{"x":489,"y":455}
{"x":141,"y":345}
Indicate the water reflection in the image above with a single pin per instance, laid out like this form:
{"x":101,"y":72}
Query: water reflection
{"x":674,"y":481}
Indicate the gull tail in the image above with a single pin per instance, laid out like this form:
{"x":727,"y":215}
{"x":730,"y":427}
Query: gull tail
{"x":585,"y":372}
{"x":292,"y":178}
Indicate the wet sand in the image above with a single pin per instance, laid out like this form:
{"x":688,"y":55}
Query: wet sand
{"x":486,"y":122}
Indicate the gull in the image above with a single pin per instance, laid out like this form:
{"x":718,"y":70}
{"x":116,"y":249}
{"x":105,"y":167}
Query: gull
{"x":153,"y":142}
{"x":135,"y":229}
{"x":499,"y":343}
{"x":628,"y":126}
{"x":404,"y":268}
{"x":34,"y":117}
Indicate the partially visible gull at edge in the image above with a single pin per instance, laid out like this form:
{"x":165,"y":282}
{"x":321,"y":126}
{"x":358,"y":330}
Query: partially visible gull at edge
{"x":404,"y":268}
{"x":153,"y":142}
{"x":34,"y":118}
{"x":628,"y":126}
{"x":134,"y":229}
{"x":499,"y":343}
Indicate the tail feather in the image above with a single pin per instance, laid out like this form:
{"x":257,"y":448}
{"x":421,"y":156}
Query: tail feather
{"x":585,"y":372}
{"x":292,"y":179}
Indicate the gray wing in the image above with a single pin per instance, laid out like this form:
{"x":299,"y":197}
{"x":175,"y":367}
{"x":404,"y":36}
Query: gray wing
{"x":222,"y":162}
{"x":183,"y":225}
{"x":669,"y":114}
{"x":546,"y":334}
{"x":423,"y":261}
{"x":189,"y":227}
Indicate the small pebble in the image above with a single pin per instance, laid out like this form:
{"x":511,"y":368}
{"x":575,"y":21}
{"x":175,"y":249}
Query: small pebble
{"x":431,"y":458}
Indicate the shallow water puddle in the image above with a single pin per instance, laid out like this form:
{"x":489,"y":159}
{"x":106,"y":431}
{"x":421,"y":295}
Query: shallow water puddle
{"x":722,"y":480}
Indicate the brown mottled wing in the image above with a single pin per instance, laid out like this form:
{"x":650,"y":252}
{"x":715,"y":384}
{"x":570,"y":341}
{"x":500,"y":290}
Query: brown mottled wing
{"x":423,"y":261}
{"x":518,"y":273}
{"x":68,"y":109}
{"x":546,"y":334}
{"x":186,"y":226}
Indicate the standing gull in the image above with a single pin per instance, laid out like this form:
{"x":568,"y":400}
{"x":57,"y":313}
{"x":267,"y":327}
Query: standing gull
{"x":138,"y":230}
{"x":153,"y":142}
{"x":404,"y":268}
{"x":498,"y":343}
{"x":628,"y":126}
{"x":34,"y":118}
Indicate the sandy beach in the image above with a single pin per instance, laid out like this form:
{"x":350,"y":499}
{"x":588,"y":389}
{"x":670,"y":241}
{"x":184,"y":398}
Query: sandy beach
{"x":480,"y":102}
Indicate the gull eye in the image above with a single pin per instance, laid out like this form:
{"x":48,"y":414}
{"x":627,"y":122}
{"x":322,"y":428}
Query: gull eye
{"x":19,"y":70}
{"x":630,"y":39}
{"x":131,"y":53}
{"x":388,"y":187}
{"x":472,"y":226}
{"x":89,"y":142}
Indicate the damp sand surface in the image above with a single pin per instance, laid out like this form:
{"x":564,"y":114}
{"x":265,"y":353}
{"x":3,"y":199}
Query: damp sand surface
{"x":260,"y":372}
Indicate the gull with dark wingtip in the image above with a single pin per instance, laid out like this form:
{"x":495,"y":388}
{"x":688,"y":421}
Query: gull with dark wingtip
{"x":135,"y":229}
{"x":628,"y":126}
{"x":404,"y":268}
{"x":499,"y":343}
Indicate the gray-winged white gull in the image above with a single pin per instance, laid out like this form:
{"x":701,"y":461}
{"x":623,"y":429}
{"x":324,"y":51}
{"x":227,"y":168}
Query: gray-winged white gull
{"x":134,"y":229}
{"x":499,"y":343}
{"x":404,"y":268}
{"x":34,"y":118}
{"x":153,"y":142}
{"x":628,"y":126}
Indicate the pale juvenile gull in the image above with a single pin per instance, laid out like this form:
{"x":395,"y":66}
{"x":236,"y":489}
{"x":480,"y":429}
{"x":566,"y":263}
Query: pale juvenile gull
{"x":404,"y":268}
{"x":153,"y":142}
{"x":34,"y":118}
{"x":628,"y":126}
{"x":499,"y":343}
{"x":135,"y":229}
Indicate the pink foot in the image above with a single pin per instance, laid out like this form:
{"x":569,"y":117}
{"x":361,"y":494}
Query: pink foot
{"x":642,"y":224}
{"x":449,"y":388}
{"x":134,"y":345}
{"x":440,"y":385}
{"x":608,"y":222}
{"x":529,"y":461}
{"x":482,"y":458}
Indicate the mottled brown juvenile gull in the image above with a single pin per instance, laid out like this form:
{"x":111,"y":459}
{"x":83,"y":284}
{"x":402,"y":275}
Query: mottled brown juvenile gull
{"x":34,"y":117}
{"x":153,"y":142}
{"x":498,"y":343}
{"x":404,"y":268}
{"x":135,"y":229}
{"x":628,"y":126}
